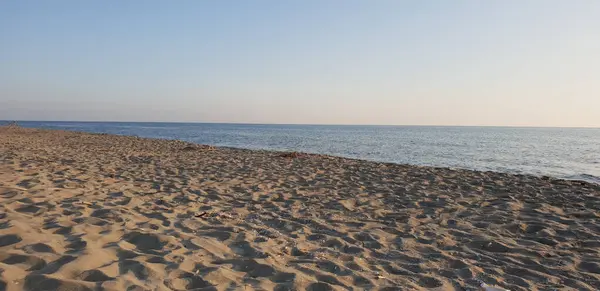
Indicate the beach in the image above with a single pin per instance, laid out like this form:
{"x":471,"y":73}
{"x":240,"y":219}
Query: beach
{"x":81,"y":211}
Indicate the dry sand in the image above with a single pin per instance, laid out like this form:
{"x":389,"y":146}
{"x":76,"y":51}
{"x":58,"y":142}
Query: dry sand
{"x":101,"y":212}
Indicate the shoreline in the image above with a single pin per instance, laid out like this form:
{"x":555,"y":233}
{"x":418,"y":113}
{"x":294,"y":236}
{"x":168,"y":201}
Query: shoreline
{"x":112,"y":212}
{"x":545,"y":176}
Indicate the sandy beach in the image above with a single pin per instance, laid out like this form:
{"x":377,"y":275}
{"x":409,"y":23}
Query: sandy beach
{"x":85,"y":211}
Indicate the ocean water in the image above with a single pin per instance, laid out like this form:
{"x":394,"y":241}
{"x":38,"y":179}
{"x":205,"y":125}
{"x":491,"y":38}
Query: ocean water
{"x":569,"y":153}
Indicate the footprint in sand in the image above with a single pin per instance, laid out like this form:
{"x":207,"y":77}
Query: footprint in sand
{"x":26,"y":262}
{"x":181,"y":280}
{"x":9,"y":239}
{"x":94,"y":276}
{"x":38,"y":248}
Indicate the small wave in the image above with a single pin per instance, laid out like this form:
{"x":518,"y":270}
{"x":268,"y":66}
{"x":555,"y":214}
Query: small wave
{"x":585,"y":177}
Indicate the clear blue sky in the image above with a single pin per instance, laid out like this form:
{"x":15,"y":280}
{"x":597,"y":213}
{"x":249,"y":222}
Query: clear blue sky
{"x":496,"y":62}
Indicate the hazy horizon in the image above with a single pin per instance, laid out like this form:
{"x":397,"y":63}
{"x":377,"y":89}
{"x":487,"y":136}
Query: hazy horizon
{"x":461,"y":63}
{"x":288,"y":124}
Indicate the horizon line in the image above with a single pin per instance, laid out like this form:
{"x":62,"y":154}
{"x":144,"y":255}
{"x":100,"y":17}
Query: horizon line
{"x":306,"y":124}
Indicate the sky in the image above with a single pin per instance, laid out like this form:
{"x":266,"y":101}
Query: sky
{"x":462,"y":62}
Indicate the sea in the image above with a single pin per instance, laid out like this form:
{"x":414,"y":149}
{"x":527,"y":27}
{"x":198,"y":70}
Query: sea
{"x":567,"y":153}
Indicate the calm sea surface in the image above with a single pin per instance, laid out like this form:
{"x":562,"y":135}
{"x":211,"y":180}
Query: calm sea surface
{"x":571,"y":153}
